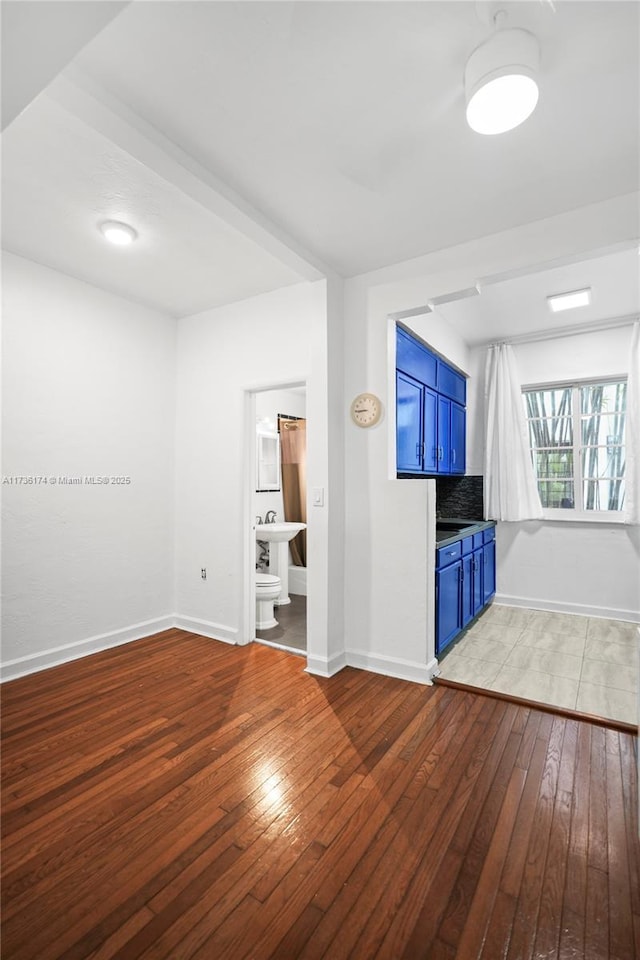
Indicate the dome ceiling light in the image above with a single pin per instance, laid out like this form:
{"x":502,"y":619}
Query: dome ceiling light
{"x":119,"y":233}
{"x":500,"y":80}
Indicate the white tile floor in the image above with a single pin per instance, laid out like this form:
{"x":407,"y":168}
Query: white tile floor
{"x":581,"y":663}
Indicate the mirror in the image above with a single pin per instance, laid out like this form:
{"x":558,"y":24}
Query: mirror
{"x":268,"y":460}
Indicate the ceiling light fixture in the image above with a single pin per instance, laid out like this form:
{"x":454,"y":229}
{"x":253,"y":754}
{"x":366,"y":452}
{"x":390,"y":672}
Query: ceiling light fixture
{"x":500,"y":80}
{"x":568,"y":301}
{"x":119,"y":233}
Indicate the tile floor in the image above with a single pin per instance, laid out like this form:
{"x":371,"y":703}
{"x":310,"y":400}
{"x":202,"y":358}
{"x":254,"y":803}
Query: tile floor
{"x":581,"y":663}
{"x":291,"y":632}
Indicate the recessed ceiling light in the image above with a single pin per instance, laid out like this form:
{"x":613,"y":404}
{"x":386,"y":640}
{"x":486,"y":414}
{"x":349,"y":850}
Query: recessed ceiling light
{"x":119,"y":233}
{"x":568,"y":301}
{"x":500,"y":81}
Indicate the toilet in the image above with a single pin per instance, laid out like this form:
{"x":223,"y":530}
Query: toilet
{"x":268,"y":590}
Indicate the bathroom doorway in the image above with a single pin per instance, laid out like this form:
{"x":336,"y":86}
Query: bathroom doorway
{"x":278,"y":494}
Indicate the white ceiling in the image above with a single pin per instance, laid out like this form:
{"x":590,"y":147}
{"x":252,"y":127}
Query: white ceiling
{"x":513,"y":308}
{"x":252,"y":143}
{"x":61,"y":180}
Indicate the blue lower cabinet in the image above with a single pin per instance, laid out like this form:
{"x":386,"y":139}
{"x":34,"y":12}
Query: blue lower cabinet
{"x":478,"y":590}
{"x":448,"y":604}
{"x":467,"y":589}
{"x":489,"y":571}
{"x":465,"y":583}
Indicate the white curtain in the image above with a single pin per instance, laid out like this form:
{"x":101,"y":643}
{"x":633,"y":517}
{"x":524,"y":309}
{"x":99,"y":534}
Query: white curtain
{"x":510,"y":489}
{"x":632,"y":473}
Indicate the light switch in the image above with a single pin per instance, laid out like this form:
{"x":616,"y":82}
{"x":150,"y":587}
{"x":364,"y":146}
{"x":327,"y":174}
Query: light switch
{"x":317,"y":496}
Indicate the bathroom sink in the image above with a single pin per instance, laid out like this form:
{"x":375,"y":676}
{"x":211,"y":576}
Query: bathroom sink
{"x":278,"y":532}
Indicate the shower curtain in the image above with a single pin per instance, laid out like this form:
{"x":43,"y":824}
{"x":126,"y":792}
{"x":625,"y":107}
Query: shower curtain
{"x":293,"y":453}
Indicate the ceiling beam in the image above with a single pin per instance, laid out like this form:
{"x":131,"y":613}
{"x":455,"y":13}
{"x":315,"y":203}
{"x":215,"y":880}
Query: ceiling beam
{"x":118,"y":124}
{"x":39,"y":39}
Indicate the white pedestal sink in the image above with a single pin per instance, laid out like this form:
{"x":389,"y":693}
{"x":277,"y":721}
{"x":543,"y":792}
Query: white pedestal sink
{"x":278,"y":536}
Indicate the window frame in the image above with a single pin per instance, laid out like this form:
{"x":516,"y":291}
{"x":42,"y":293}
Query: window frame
{"x":567,"y":513}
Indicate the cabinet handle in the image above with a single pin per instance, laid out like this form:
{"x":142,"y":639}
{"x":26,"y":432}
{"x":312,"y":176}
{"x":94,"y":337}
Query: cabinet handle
{"x":453,"y":455}
{"x":436,"y":454}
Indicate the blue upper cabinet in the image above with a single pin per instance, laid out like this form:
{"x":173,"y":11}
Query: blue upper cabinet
{"x":430,"y":411}
{"x":458,"y":447}
{"x":409,"y":424}
{"x":451,"y":383}
{"x":414,"y":358}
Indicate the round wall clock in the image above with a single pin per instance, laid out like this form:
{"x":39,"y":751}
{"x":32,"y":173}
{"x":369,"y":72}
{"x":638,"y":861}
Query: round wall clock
{"x":366,"y":410}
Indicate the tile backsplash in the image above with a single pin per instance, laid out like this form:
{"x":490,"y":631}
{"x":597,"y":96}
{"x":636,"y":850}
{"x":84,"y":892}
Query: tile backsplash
{"x":460,"y":497}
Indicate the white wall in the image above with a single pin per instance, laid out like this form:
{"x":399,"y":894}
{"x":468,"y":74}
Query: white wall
{"x":389,"y":529}
{"x":271,"y":339}
{"x":88,"y":390}
{"x":577,"y":567}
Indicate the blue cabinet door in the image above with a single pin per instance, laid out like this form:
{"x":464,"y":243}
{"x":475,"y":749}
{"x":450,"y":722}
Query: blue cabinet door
{"x":478,"y":590}
{"x":457,"y":458}
{"x":414,"y":358}
{"x":448,"y":605}
{"x":467,"y":589}
{"x":444,"y":435}
{"x":489,"y":575}
{"x":451,"y":383}
{"x":431,"y":416}
{"x":409,"y":424}
{"x":430,"y":431}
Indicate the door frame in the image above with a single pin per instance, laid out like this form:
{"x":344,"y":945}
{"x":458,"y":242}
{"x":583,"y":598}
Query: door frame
{"x":247,"y":619}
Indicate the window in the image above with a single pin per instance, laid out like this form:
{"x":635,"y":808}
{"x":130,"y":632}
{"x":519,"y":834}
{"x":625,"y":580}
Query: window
{"x":577,"y":440}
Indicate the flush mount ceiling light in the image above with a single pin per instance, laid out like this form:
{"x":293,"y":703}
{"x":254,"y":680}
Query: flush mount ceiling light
{"x":119,"y":233}
{"x":500,"y":80}
{"x":568,"y":301}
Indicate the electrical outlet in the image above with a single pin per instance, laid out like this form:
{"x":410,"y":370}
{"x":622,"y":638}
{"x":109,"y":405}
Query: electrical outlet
{"x":203,"y":573}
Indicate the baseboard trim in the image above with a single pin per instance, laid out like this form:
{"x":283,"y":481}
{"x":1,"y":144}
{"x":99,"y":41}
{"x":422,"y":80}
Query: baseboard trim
{"x":325,"y":666}
{"x":583,"y":609}
{"x":22,"y":666}
{"x":392,"y":666}
{"x":206,"y":628}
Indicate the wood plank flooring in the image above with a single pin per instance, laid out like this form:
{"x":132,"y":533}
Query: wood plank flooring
{"x":181,"y":798}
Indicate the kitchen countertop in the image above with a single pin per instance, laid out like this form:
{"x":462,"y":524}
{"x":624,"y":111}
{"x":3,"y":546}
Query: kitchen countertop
{"x":445,"y":537}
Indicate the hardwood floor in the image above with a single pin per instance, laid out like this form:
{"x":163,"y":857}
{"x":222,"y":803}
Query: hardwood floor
{"x":180,"y":798}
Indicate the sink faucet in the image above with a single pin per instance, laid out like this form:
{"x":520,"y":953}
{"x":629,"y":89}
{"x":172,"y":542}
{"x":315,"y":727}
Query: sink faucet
{"x":270,"y":516}
{"x":259,"y":521}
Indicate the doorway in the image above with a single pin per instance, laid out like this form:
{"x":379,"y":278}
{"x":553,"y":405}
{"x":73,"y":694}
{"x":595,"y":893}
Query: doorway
{"x":276,"y":493}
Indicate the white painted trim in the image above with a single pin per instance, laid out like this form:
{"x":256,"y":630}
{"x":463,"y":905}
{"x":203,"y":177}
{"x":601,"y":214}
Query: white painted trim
{"x":206,"y":628}
{"x":556,"y":606}
{"x":392,"y":667}
{"x":297,"y":580}
{"x":247,"y":610}
{"x":326,"y":667}
{"x":22,"y":666}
